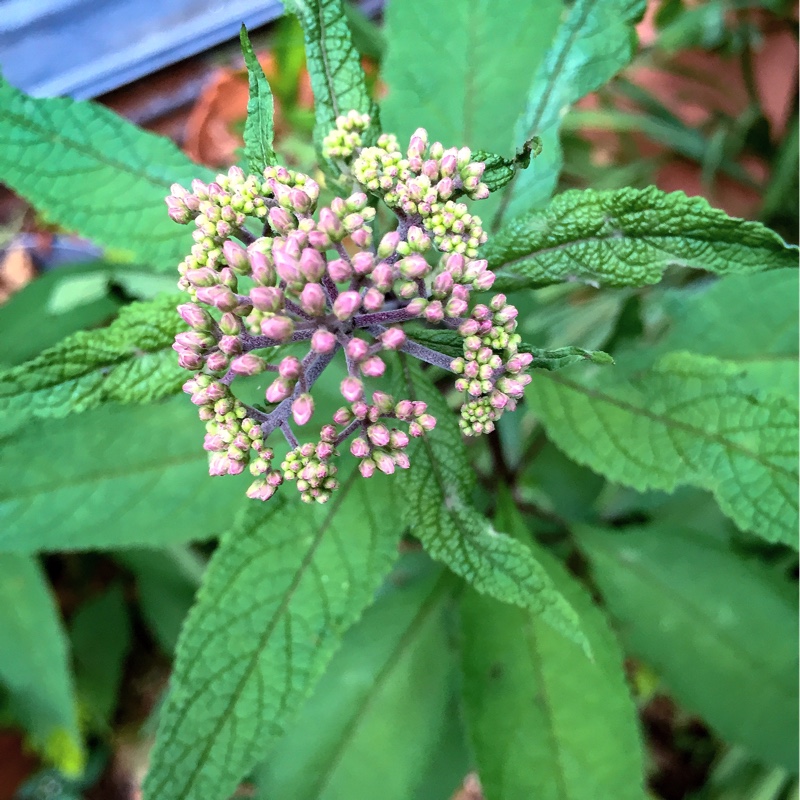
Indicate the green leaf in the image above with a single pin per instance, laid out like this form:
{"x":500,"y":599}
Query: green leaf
{"x":691,"y":420}
{"x":34,"y":666}
{"x":592,"y":44}
{"x":628,"y":237}
{"x":90,"y":171}
{"x":100,"y":633}
{"x":112,"y":477}
{"x":130,"y":361}
{"x":499,"y":170}
{"x":334,"y":65}
{"x":437,"y":492}
{"x":286,"y":582}
{"x":719,"y":629}
{"x":545,"y":721}
{"x":258,"y":129}
{"x":368,"y":729}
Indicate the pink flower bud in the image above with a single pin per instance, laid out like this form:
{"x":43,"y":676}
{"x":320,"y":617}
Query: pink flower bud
{"x":384,"y":462}
{"x":205,"y":276}
{"x":189,"y":360}
{"x":434,"y":312}
{"x":401,"y":459}
{"x":248,"y":364}
{"x":417,"y":306}
{"x":383,"y":276}
{"x":286,"y":266}
{"x":217,"y":361}
{"x":484,"y":281}
{"x":346,"y":304}
{"x":413,"y":266}
{"x":393,"y":338}
{"x":367,"y":468}
{"x":319,"y":239}
{"x":278,"y":390}
{"x":312,"y":299}
{"x":360,"y":409}
{"x":303,"y":408}
{"x":230,"y":324}
{"x":404,"y":410}
{"x":220,"y":297}
{"x":300,"y":201}
{"x":330,"y":224}
{"x":359,"y":448}
{"x":362,"y":237}
{"x":363,"y":263}
{"x":339,"y":270}
{"x":194,"y":316}
{"x":352,"y":389}
{"x":230,"y":345}
{"x":388,"y":244}
{"x":235,"y":255}
{"x":379,"y":435}
{"x":357,"y":349}
{"x":506,"y":314}
{"x":468,"y":328}
{"x":323,"y":341}
{"x":312,"y":265}
{"x":455,"y":307}
{"x":290,"y":368}
{"x":356,"y":202}
{"x":342,"y":416}
{"x":324,"y":450}
{"x":398,"y":440}
{"x":373,"y":367}
{"x":279,"y":328}
{"x":263,"y":271}
{"x":267,"y":298}
{"x":373,"y":299}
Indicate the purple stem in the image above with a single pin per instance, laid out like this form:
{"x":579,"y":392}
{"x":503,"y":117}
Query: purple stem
{"x":288,"y":434}
{"x":380,"y":317}
{"x":426,"y":354}
{"x":347,"y":431}
{"x":244,"y":235}
{"x":250,"y":342}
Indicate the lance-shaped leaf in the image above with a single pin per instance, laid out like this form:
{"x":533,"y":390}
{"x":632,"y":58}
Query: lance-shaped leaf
{"x":334,"y":65}
{"x":117,"y":476}
{"x":691,"y":420}
{"x":258,"y":129}
{"x":628,"y":237}
{"x":544,"y":720}
{"x":286,"y":582}
{"x":592,"y":44}
{"x":370,"y":726}
{"x":499,"y":170}
{"x":437,"y":506}
{"x":720,"y":629}
{"x":34,"y":667}
{"x":90,"y":171}
{"x":130,"y":361}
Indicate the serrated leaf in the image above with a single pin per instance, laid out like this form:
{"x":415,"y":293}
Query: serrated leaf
{"x":90,"y":171}
{"x":720,"y":630}
{"x":112,"y":477}
{"x":378,"y":710}
{"x":258,"y":129}
{"x":286,"y":582}
{"x":334,"y":65}
{"x":628,"y":237}
{"x":591,"y":45}
{"x":34,"y":666}
{"x":437,"y":492}
{"x":545,"y":721}
{"x":691,"y":420}
{"x":130,"y":361}
{"x":499,"y":171}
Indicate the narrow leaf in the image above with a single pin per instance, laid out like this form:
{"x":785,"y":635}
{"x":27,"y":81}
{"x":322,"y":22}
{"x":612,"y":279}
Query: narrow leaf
{"x":691,"y":420}
{"x":437,"y":492}
{"x":592,"y":44}
{"x":258,"y":129}
{"x":719,"y":629}
{"x":628,"y":237}
{"x":34,"y":666}
{"x":286,"y":582}
{"x":130,"y":361}
{"x":113,"y":477}
{"x":545,"y":721}
{"x":91,"y":172}
{"x":499,"y":170}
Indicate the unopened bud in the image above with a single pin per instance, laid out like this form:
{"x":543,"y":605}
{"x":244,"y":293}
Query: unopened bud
{"x":352,"y":389}
{"x":346,"y":304}
{"x":323,"y":341}
{"x":303,"y":408}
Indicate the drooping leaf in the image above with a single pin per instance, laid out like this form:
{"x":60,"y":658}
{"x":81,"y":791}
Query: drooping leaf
{"x":691,"y":420}
{"x":499,"y":170}
{"x":334,"y":65}
{"x":90,"y":171}
{"x":592,"y":44}
{"x":100,"y":634}
{"x":286,"y":582}
{"x":130,"y":361}
{"x":545,"y":721}
{"x":258,"y":129}
{"x":112,"y":477}
{"x":437,"y":506}
{"x":719,"y":629}
{"x":628,"y":237}
{"x":34,"y":665}
{"x":368,"y":729}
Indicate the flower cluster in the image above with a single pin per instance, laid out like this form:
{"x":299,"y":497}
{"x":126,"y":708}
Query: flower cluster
{"x":322,"y":277}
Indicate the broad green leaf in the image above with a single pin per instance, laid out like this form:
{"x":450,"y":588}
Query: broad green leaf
{"x":545,"y":721}
{"x":595,"y":40}
{"x":112,"y":477}
{"x":90,"y":171}
{"x":461,"y":68}
{"x":720,"y":629}
{"x":130,"y":361}
{"x":100,"y":633}
{"x":258,"y":129}
{"x":334,"y":65}
{"x":628,"y":237}
{"x":34,"y":664}
{"x":437,"y":492}
{"x":286,"y":582}
{"x":691,"y":420}
{"x":368,"y":729}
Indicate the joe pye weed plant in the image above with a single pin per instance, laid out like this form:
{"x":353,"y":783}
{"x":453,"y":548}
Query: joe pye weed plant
{"x":409,"y":334}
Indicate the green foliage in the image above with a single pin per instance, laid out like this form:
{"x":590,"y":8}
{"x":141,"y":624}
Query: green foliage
{"x":691,"y":420}
{"x":438,"y":509}
{"x":259,"y":129}
{"x":591,"y":45}
{"x":113,"y":477}
{"x":719,"y":628}
{"x":544,"y":720}
{"x":629,"y":237}
{"x":285,"y":584}
{"x":91,"y":172}
{"x":34,"y":665}
{"x":130,"y":361}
